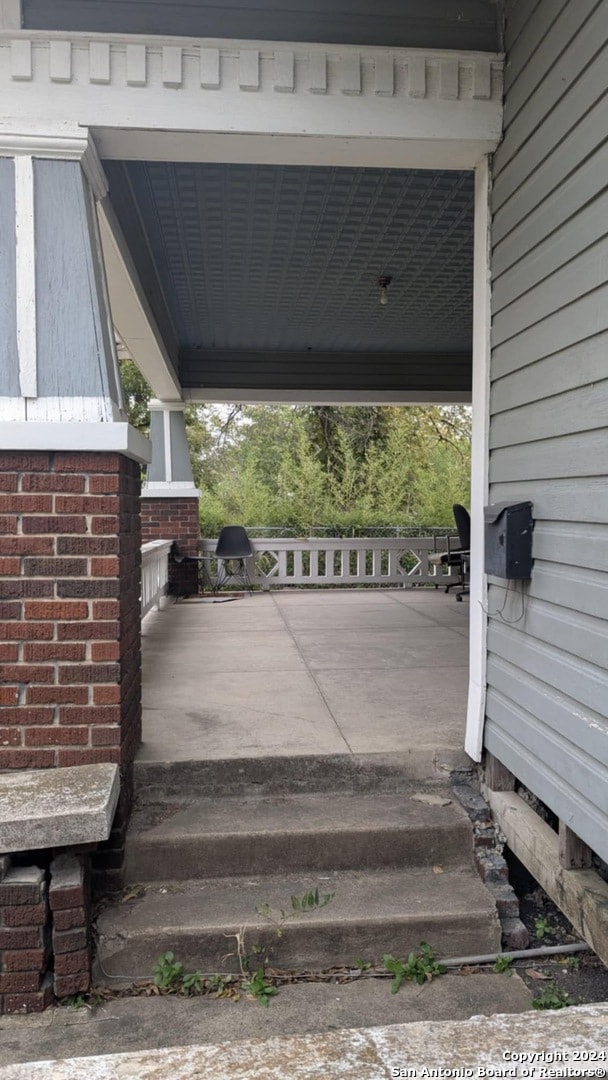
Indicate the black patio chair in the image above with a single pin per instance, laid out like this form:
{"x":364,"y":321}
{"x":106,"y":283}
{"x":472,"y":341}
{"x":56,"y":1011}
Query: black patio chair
{"x":460,"y":557}
{"x":232,"y":551}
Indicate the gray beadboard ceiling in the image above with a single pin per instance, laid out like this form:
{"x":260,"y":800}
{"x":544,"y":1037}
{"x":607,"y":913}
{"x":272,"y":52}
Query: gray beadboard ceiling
{"x":429,"y":24}
{"x":286,"y":258}
{"x":267,"y":276}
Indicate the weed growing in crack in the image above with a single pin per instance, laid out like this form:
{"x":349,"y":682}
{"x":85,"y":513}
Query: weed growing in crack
{"x":311,"y":901}
{"x":259,"y":987}
{"x":542,"y":928}
{"x":420,"y":967}
{"x":256,"y":981}
{"x":551,"y":997}
{"x":503,"y":964}
{"x":167,"y":971}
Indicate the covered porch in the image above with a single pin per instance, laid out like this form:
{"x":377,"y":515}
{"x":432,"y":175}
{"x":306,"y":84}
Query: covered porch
{"x":308,"y":672}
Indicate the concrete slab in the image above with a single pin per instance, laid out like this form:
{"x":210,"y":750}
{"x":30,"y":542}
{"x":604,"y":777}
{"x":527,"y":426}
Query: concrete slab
{"x":330,"y":597}
{"x":145,"y":1023}
{"x":57,"y":807}
{"x":523,"y":1045}
{"x":251,"y":713}
{"x":405,"y":648}
{"x":348,"y":617}
{"x":297,"y":665}
{"x":452,"y":615}
{"x":398,"y":709}
{"x":229,"y":650}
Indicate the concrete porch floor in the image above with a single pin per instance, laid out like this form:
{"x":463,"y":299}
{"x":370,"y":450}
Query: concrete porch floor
{"x":293,"y":673}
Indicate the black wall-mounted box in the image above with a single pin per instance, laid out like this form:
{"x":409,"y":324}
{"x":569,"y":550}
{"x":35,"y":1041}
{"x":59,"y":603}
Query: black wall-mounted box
{"x":508,"y":540}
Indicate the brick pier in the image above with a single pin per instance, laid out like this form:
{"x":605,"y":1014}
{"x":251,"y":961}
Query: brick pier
{"x":70,"y":690}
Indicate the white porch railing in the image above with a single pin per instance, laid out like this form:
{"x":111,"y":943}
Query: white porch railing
{"x":344,"y":561}
{"x":154,"y":573}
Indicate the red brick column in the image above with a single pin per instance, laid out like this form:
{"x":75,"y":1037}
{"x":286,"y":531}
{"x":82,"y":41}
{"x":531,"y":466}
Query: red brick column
{"x":25,"y":985}
{"x":70,"y":555}
{"x":70,"y":902}
{"x":174,"y":519}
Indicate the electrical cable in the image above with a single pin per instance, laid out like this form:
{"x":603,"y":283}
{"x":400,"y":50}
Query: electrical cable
{"x":499,"y":611}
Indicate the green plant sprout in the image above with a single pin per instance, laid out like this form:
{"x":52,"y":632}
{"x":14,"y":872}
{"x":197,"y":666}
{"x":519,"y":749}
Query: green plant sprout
{"x":503,"y":964}
{"x":259,"y":987}
{"x":419,"y":967}
{"x":167,"y":971}
{"x":542,"y":928}
{"x":551,"y":997}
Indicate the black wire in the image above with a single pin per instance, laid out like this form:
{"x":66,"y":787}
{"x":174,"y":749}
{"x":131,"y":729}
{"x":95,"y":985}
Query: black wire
{"x":499,"y":611}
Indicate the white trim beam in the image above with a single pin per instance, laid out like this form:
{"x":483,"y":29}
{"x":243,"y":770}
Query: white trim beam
{"x":131,"y":313}
{"x":53,"y":435}
{"x":25,"y":274}
{"x":247,"y":396}
{"x":10,"y":15}
{"x":443,"y":106}
{"x":478,"y":622}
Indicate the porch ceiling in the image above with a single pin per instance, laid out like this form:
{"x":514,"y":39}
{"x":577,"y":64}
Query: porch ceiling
{"x":434,"y":24}
{"x":258,"y":270}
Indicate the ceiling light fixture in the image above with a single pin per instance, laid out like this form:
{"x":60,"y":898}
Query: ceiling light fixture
{"x":384,"y":283}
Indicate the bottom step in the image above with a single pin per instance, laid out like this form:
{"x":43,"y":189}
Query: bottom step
{"x":372,"y":913}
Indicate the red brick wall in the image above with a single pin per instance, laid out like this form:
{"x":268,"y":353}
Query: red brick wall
{"x":70,"y":557}
{"x":174,"y":519}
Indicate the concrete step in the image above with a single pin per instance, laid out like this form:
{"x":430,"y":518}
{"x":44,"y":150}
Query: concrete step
{"x":143,"y":1023}
{"x":350,"y":773}
{"x":247,"y":835}
{"x":373,"y":912}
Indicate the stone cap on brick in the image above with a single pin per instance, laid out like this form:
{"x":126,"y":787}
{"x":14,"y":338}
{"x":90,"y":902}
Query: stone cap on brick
{"x":49,"y":808}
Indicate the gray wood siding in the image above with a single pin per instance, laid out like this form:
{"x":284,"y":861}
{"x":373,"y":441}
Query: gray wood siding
{"x":9,"y":364}
{"x":547,"y":704}
{"x":72,"y":331}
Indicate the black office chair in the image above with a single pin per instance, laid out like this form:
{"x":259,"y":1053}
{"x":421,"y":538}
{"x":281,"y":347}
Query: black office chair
{"x":460,"y":557}
{"x":232,"y":551}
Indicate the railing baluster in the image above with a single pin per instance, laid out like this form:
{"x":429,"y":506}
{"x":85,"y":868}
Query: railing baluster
{"x":343,"y":561}
{"x":154,"y":573}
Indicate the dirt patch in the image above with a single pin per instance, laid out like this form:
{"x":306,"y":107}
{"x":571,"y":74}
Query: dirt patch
{"x":578,"y":979}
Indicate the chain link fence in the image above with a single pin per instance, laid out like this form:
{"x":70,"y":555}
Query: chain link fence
{"x":354,"y":531}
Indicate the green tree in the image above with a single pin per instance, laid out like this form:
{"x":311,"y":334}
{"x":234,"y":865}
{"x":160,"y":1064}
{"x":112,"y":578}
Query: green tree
{"x":305,"y":466}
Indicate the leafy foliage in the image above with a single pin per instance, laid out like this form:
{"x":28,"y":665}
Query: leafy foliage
{"x":420,"y":967}
{"x":192,"y":984}
{"x":304,"y":466}
{"x":259,"y":987}
{"x":542,"y":928}
{"x":503,"y":964}
{"x":167,"y":971}
{"x":311,"y":901}
{"x":551,"y":997}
